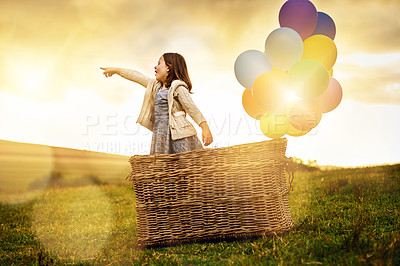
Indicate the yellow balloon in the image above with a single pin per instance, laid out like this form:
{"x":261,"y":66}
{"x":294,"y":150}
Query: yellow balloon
{"x":331,"y":72}
{"x":320,"y":48}
{"x":274,"y":125}
{"x":250,"y":106}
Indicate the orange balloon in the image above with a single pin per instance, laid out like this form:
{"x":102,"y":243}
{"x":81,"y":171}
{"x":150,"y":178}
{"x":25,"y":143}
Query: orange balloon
{"x":250,"y":106}
{"x":270,"y":90}
{"x":291,"y":130}
{"x":295,"y":132}
{"x":304,"y":115}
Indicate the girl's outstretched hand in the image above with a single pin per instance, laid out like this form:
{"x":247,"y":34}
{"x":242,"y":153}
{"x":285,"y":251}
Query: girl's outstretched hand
{"x":109,"y":71}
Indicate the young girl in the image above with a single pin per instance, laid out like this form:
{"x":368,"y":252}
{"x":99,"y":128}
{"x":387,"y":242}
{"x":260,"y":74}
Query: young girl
{"x":165,"y":105}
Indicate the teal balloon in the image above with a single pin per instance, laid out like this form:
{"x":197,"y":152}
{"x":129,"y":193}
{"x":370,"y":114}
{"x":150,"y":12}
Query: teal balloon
{"x":249,"y":65}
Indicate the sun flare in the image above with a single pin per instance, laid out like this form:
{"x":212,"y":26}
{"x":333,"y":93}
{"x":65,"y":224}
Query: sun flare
{"x":291,"y":96}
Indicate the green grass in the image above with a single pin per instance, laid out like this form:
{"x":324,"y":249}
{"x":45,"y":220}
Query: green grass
{"x":344,"y":216}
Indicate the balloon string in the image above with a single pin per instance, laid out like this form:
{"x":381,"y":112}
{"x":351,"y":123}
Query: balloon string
{"x":291,"y":177}
{"x":290,"y":168}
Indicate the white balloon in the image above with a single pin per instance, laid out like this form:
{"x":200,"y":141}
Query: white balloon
{"x":284,"y":48}
{"x":249,"y":65}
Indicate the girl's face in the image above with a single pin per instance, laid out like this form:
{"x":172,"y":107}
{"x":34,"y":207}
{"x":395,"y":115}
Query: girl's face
{"x":161,"y":70}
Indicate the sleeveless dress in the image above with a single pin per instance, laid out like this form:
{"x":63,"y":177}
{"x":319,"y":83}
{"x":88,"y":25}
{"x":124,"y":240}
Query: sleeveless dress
{"x":162,"y":142}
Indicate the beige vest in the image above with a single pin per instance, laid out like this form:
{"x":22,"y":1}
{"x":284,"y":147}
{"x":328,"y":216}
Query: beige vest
{"x":179,"y":104}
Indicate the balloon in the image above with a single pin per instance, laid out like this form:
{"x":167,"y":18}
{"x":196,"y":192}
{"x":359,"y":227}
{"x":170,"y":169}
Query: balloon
{"x":291,"y":130}
{"x":295,"y":132}
{"x":274,"y":69}
{"x":331,"y":72}
{"x":300,"y":15}
{"x":304,"y":115}
{"x":308,"y":79}
{"x":270,"y":90}
{"x":331,"y":98}
{"x":250,"y":106}
{"x":249,"y":65}
{"x":325,"y":26}
{"x":284,"y":48}
{"x":274,"y":125}
{"x":321,"y":49}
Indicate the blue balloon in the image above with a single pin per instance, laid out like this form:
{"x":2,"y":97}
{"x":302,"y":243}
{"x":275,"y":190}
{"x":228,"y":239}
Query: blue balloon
{"x":325,"y":26}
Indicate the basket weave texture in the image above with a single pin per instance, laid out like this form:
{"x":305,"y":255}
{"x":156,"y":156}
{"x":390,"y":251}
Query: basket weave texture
{"x":210,"y":194}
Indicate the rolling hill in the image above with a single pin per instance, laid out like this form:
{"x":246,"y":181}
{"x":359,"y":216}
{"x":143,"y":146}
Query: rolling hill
{"x":25,"y":166}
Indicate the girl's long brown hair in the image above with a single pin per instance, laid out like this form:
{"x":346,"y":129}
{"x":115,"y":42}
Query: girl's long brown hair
{"x":177,"y":69}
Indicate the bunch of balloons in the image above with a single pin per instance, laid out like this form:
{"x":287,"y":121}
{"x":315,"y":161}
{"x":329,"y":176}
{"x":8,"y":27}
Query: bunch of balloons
{"x":290,"y":85}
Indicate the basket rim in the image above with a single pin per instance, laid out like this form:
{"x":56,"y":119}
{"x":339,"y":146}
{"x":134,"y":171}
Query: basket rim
{"x":236,"y":146}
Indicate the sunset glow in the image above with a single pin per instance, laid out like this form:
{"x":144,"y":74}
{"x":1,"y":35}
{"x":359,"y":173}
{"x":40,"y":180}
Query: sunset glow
{"x":53,"y":92}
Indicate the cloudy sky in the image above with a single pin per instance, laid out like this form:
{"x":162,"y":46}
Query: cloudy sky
{"x":52,"y":91}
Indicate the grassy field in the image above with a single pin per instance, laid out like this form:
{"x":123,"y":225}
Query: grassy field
{"x":342,"y":216}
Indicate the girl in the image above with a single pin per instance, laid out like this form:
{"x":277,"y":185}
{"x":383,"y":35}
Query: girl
{"x":165,"y":105}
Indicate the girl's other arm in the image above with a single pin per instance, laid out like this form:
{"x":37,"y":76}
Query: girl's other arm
{"x":206,"y":135}
{"x":190,"y":108}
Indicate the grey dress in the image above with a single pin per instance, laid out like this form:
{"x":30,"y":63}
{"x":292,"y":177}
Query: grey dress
{"x":162,"y":142}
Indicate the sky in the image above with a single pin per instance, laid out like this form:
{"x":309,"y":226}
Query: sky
{"x":52,"y":90}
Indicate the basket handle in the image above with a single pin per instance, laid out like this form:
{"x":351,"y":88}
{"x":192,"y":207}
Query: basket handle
{"x":290,"y":168}
{"x":155,"y":158}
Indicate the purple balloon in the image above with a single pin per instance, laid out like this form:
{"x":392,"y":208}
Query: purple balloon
{"x":300,"y":15}
{"x":325,"y":26}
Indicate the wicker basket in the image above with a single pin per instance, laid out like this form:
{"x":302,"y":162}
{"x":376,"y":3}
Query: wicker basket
{"x":211,"y":194}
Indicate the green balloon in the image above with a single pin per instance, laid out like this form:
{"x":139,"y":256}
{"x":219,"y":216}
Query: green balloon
{"x":308,"y":78}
